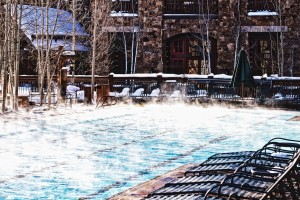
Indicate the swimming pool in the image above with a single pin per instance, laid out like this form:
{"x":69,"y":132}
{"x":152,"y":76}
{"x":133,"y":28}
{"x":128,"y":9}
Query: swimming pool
{"x":87,"y":153}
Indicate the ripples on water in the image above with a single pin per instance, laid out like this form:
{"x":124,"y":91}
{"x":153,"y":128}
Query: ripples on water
{"x":82,"y":152}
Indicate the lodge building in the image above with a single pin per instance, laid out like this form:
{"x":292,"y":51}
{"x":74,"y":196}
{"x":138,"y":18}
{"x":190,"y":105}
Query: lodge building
{"x":198,"y":36}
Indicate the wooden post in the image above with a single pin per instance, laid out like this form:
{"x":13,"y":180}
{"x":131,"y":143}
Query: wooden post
{"x":159,"y":79}
{"x":63,"y":83}
{"x":111,"y":81}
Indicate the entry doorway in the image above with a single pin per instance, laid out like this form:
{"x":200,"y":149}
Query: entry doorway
{"x":187,"y":54}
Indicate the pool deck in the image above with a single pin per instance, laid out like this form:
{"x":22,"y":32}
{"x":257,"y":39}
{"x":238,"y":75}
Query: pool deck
{"x":142,"y":190}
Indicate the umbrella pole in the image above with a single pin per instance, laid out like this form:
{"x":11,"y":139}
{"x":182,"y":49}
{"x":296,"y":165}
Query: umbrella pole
{"x":242,"y":90}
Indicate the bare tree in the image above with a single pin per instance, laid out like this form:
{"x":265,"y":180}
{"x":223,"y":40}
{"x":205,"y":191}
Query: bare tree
{"x":204,"y":11}
{"x":238,"y":32}
{"x":281,"y":46}
{"x":10,"y":55}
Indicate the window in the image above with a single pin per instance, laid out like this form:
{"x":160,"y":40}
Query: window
{"x":120,"y":52}
{"x":178,"y":47}
{"x":124,"y":7}
{"x":263,"y":53}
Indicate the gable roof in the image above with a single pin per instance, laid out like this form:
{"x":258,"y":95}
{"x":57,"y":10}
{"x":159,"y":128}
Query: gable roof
{"x":34,"y":23}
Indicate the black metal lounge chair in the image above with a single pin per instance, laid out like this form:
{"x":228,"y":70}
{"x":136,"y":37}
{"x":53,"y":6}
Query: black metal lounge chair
{"x":246,"y":180}
{"x":285,"y":186}
{"x":218,"y":168}
{"x":233,"y":191}
{"x":272,"y":160}
{"x":188,"y":185}
{"x":185,"y":188}
{"x":181,"y":197}
{"x":280,"y":147}
{"x":271,"y":173}
{"x":220,"y":163}
{"x":198,"y":179}
{"x":246,"y":154}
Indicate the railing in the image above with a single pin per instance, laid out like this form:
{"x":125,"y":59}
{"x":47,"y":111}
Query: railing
{"x":262,"y":5}
{"x":191,"y":7}
{"x":213,"y":88}
{"x":124,"y":6}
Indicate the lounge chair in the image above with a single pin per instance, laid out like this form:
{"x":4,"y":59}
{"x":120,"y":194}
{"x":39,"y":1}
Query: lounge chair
{"x":189,"y":196}
{"x":221,"y":163}
{"x":232,"y":191}
{"x":241,"y":186}
{"x":233,"y":176}
{"x":154,"y":93}
{"x":123,"y":93}
{"x":273,"y":159}
{"x":176,"y":94}
{"x":200,"y":178}
{"x":138,"y":93}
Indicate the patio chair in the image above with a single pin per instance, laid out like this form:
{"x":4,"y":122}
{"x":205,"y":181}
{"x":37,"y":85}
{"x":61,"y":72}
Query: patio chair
{"x":122,"y":94}
{"x":220,"y":163}
{"x":282,"y":145}
{"x":138,"y":93}
{"x":185,"y":188}
{"x":181,"y":197}
{"x":200,"y":178}
{"x":176,"y":94}
{"x":287,"y":186}
{"x":232,"y":191}
{"x":246,"y":154}
{"x":218,"y":168}
{"x":154,"y":93}
{"x":273,"y":159}
{"x":241,"y":186}
{"x":246,"y":180}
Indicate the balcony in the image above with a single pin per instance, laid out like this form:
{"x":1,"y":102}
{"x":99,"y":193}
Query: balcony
{"x":123,"y":7}
{"x":262,"y":6}
{"x":190,"y":7}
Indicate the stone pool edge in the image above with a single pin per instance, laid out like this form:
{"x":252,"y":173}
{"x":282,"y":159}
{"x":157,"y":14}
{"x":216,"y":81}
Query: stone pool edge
{"x":142,"y":190}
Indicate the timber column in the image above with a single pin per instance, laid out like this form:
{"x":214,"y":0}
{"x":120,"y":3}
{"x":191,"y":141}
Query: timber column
{"x":151,"y":15}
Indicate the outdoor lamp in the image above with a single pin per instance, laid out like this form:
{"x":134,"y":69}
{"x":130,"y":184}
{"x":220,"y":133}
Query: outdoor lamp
{"x":71,"y":67}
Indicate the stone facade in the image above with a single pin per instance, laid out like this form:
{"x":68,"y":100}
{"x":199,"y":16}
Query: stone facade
{"x":156,"y":29}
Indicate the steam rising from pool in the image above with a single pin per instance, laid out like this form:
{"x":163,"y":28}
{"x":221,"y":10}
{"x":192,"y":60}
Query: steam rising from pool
{"x":87,"y":153}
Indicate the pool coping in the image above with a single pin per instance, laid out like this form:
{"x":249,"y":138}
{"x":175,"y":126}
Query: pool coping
{"x":142,"y":190}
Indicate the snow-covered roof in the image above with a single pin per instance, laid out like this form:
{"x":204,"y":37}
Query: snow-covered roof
{"x":55,"y":44}
{"x":34,"y":23}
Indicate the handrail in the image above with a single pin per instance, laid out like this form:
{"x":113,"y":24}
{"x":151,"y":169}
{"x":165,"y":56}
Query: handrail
{"x":191,"y":7}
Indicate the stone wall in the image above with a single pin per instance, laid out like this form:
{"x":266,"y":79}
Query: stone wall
{"x":151,"y":12}
{"x":155,"y":29}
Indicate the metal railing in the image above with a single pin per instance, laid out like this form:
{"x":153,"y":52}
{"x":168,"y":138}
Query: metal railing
{"x":262,"y":5}
{"x":124,"y":6}
{"x":191,"y":7}
{"x":213,"y":88}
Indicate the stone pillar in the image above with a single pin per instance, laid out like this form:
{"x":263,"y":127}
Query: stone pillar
{"x":227,"y":32}
{"x":151,"y":12}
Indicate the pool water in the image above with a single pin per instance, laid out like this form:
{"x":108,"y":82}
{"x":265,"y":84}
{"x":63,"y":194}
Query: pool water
{"x":96,"y":153}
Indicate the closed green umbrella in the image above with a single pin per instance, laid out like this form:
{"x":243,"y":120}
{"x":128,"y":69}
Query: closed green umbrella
{"x":242,"y":75}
